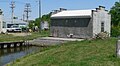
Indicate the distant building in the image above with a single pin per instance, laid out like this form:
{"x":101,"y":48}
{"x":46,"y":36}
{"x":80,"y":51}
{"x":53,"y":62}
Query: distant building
{"x":80,"y":23}
{"x":2,"y":23}
{"x":44,"y":25}
{"x":21,"y":23}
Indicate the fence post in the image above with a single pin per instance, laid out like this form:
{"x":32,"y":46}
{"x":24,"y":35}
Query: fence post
{"x":118,"y":49}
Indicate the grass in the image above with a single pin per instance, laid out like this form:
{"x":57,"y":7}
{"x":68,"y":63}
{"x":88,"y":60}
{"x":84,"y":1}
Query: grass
{"x":8,"y":37}
{"x":84,"y":53}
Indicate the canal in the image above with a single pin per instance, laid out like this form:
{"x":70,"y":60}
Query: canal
{"x":11,"y":54}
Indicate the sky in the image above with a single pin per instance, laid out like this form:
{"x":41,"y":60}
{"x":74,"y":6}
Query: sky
{"x":49,"y":5}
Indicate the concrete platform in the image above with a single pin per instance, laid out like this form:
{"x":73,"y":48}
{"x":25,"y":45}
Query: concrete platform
{"x":63,"y":39}
{"x":50,"y":41}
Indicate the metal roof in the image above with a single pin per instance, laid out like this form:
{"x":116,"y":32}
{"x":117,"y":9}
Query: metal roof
{"x":71,"y":13}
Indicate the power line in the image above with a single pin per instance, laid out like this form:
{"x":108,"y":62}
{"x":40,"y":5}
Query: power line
{"x":12,"y":6}
{"x":27,"y":10}
{"x":39,"y":8}
{"x":23,"y":17}
{"x":19,"y":2}
{"x":40,"y":13}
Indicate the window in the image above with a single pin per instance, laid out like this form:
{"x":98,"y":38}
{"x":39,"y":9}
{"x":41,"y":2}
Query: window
{"x":102,"y":27}
{"x":71,"y":22}
{"x":4,"y":25}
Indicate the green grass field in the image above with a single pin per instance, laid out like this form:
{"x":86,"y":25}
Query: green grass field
{"x":84,"y":53}
{"x":9,"y":37}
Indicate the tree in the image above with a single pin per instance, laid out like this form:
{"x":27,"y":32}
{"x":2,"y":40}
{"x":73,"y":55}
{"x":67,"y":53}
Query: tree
{"x":31,"y":24}
{"x":115,"y":14}
{"x":115,"y":18}
{"x":44,"y":18}
{"x":38,"y":20}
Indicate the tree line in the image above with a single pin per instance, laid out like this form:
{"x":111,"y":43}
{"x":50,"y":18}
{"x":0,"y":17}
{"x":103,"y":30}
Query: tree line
{"x":115,"y":19}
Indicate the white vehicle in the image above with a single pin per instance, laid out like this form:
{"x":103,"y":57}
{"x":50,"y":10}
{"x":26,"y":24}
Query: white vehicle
{"x":14,"y":28}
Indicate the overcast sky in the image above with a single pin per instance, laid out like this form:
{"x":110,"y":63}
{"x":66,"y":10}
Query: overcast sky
{"x":49,"y":5}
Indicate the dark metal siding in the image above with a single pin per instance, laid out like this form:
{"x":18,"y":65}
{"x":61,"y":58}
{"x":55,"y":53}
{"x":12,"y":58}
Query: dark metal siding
{"x":79,"y":22}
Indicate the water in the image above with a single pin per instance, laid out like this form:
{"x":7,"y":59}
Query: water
{"x":11,"y":54}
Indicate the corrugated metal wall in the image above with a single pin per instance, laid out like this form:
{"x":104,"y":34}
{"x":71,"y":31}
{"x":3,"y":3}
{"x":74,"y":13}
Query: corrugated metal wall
{"x":73,"y":22}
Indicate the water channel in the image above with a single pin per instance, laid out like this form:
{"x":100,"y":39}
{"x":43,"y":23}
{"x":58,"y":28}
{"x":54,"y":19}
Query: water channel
{"x":11,"y":54}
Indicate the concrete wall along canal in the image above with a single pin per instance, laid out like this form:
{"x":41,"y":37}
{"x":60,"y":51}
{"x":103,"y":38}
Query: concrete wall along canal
{"x":13,"y":44}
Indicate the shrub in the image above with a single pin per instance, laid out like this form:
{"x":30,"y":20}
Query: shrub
{"x":115,"y":31}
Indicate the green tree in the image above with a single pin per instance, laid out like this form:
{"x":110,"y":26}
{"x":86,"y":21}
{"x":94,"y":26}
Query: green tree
{"x":44,"y":18}
{"x":37,"y":22}
{"x":115,"y":18}
{"x":31,"y":24}
{"x":115,"y":14}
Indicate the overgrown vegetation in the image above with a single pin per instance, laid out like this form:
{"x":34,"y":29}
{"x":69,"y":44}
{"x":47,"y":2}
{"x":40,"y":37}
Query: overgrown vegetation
{"x":86,"y":53}
{"x":115,"y":18}
{"x":38,"y":20}
{"x":115,"y":31}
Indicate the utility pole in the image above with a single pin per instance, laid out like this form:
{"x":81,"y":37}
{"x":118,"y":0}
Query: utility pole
{"x":40,"y":13}
{"x":12,"y":7}
{"x":39,"y":8}
{"x":23,"y":17}
{"x":27,"y":10}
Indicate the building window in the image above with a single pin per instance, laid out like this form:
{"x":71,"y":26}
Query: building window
{"x":78,"y":22}
{"x":66,"y":20}
{"x":102,"y":27}
{"x":75,"y":21}
{"x":4,"y":25}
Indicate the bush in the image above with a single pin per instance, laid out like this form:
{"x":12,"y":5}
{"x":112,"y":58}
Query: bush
{"x":115,"y":31}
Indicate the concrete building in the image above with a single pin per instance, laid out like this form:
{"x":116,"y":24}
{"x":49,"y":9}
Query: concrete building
{"x":80,"y":23}
{"x":44,"y":25}
{"x":2,"y":23}
{"x":16,"y":22}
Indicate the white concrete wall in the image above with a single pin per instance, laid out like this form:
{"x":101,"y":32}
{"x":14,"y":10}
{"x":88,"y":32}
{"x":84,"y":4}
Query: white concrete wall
{"x":98,"y":17}
{"x":2,"y":29}
{"x":1,"y":21}
{"x":44,"y":25}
